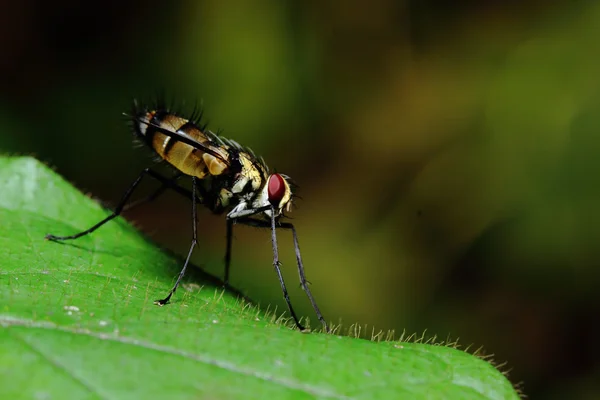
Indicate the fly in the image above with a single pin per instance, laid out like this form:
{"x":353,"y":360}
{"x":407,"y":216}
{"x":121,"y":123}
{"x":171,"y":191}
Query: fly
{"x":226,"y":178}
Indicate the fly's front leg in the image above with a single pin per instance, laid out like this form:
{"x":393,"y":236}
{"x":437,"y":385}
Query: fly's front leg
{"x":240,"y":214}
{"x":277,"y":266}
{"x":303,"y":281}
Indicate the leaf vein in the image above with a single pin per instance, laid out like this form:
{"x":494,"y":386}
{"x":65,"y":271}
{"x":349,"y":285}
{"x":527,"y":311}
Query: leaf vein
{"x":58,"y":365}
{"x":202,"y":358}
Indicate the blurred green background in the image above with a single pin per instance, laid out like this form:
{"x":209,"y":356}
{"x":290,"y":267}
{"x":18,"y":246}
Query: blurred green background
{"x":446,"y":152}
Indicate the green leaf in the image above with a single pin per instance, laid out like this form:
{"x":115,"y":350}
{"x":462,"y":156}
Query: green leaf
{"x":78,"y":321}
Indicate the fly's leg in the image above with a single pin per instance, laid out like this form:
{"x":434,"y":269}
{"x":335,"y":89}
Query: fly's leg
{"x":303,"y":281}
{"x":167,"y":183}
{"x":302,"y":275}
{"x":228,"y":251}
{"x":232,"y":218}
{"x":164,"y":301}
{"x":277,"y":266}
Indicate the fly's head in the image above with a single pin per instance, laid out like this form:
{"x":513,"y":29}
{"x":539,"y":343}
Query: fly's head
{"x":275,"y":195}
{"x":278,"y":193}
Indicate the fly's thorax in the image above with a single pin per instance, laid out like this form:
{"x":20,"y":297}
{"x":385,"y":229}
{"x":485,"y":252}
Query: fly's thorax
{"x":252,"y":176}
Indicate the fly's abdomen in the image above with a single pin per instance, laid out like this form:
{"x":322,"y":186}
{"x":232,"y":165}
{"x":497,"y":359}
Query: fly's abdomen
{"x":163,"y":132}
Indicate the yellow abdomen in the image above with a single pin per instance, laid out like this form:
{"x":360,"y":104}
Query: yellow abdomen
{"x":186,"y":158}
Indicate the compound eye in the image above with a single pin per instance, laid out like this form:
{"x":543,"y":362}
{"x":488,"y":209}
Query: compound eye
{"x":276,"y":189}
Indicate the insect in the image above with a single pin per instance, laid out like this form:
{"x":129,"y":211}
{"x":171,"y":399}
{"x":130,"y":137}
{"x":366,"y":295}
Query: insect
{"x":225,"y":177}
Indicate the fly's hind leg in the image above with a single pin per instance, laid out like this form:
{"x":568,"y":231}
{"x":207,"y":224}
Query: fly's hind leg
{"x":167,"y":183}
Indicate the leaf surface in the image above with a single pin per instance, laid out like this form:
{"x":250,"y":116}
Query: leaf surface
{"x":78,"y":321}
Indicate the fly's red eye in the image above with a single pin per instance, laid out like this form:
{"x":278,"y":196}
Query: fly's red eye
{"x":276,"y":189}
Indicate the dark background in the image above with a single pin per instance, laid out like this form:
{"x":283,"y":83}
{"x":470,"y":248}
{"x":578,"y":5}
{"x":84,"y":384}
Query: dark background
{"x":446,"y":152}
